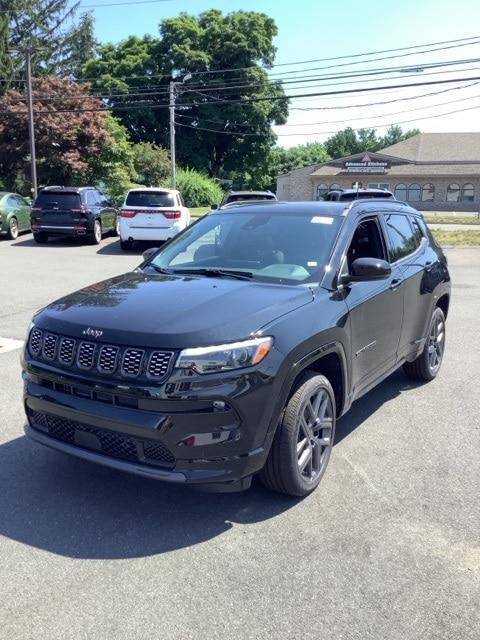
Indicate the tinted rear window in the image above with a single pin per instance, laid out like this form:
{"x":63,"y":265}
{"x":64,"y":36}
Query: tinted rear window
{"x":54,"y":200}
{"x":150,"y":199}
{"x":250,"y":196}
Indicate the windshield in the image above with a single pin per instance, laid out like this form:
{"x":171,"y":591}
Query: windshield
{"x":58,"y":200}
{"x":288,"y":248}
{"x":150,"y":199}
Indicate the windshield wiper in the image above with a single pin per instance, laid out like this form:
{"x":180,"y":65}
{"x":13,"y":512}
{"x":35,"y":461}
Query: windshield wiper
{"x":217,"y":273}
{"x":158,"y":269}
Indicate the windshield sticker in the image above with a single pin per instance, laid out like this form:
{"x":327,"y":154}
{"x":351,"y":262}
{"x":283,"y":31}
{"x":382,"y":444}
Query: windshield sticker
{"x":312,"y":263}
{"x":321,"y":220}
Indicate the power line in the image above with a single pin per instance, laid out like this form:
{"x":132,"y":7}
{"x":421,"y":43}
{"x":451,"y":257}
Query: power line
{"x":317,"y":133}
{"x":262,"y":98}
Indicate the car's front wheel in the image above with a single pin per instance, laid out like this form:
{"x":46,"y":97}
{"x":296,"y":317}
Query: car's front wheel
{"x":428,"y":363}
{"x":303,"y":441}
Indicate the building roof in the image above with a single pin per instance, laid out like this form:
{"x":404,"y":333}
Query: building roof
{"x":439,"y":147}
{"x":471,"y":169}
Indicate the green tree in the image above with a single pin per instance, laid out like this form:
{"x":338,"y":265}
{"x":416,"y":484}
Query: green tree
{"x":218,"y":129}
{"x":50,"y":27}
{"x":151,"y":162}
{"x":396,"y":134}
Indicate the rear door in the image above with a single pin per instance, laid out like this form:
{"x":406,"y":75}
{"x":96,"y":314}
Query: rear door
{"x":57,"y":209}
{"x":154,"y":209}
{"x":23,"y":213}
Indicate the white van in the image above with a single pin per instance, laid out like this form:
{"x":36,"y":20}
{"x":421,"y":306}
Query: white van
{"x":151,"y":214}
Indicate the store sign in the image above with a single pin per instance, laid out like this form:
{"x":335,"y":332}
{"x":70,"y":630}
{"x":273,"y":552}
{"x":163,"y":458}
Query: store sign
{"x":366,"y":165}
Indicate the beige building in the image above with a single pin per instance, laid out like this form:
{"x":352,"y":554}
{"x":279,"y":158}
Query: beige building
{"x":431,"y":171}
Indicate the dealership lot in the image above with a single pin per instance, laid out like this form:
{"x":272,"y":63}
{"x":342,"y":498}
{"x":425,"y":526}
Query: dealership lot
{"x":387,"y":547}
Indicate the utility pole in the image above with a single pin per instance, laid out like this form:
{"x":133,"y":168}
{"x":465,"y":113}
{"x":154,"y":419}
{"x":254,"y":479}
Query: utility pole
{"x":173,"y":170}
{"x":171,"y":104}
{"x":31,"y":128}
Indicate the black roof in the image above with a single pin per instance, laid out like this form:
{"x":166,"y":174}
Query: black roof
{"x":319,"y":208}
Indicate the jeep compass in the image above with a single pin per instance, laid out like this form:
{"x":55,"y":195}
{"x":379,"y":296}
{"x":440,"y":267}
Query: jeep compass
{"x":233,"y":349}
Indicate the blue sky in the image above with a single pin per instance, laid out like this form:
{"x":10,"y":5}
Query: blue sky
{"x":316,"y":29}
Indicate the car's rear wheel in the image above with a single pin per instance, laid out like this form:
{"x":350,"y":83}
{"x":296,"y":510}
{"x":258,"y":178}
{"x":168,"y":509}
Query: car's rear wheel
{"x":41,"y":238}
{"x":96,"y":235}
{"x":126,"y":245}
{"x":303,"y":441}
{"x":12,"y":232}
{"x":428,"y":363}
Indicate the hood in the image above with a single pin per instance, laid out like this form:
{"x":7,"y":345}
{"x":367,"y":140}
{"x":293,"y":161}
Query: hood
{"x":171,"y":311}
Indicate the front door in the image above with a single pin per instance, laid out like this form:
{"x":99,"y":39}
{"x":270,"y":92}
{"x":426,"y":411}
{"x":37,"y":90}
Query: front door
{"x":376,"y":309}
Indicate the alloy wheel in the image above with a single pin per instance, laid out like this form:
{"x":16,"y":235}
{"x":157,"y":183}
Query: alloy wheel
{"x":314,"y":441}
{"x":97,"y":231}
{"x":436,"y":343}
{"x":13,"y":229}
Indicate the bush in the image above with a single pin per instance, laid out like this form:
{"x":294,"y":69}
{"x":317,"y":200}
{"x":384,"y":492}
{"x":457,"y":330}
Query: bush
{"x":197,"y":189}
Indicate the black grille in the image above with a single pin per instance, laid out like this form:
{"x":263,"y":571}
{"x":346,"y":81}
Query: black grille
{"x":110,"y":443}
{"x":35,"y":343}
{"x":132,"y":362}
{"x":158,"y":364}
{"x":50,"y":346}
{"x":67,"y":346}
{"x":107,"y":360}
{"x":86,"y":351}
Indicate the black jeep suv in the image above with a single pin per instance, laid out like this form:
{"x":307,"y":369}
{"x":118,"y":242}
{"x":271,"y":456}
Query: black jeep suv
{"x":72,"y":211}
{"x":233,"y":349}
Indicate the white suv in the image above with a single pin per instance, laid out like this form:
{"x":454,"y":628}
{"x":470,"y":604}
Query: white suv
{"x":152,"y":213}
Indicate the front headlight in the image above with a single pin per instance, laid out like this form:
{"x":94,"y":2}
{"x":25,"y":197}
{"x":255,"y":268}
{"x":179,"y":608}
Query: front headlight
{"x":225,"y":357}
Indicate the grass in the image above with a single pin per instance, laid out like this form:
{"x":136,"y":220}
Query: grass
{"x":198,"y":212}
{"x":449,"y":219}
{"x":469,"y":238}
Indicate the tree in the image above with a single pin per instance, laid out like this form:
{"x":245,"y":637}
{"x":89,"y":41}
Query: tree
{"x":396,"y":134}
{"x":219,"y":130}
{"x":348,"y":141}
{"x":151,"y":162}
{"x":48,"y":26}
{"x":66,"y":142}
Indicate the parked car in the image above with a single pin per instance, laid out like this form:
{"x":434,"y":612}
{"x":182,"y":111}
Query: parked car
{"x":83,"y":212}
{"x":347,"y":195}
{"x":152,"y":214}
{"x":236,"y":197}
{"x":14,"y":214}
{"x":232,"y":350}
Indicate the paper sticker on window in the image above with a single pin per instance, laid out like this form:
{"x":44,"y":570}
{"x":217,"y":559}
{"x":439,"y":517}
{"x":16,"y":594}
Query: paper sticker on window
{"x":312,"y":263}
{"x":321,"y":220}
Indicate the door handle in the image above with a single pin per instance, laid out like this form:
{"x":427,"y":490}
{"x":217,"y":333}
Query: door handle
{"x":394,"y":284}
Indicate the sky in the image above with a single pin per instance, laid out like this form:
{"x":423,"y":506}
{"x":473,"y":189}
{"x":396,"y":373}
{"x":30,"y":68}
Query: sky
{"x":316,"y":29}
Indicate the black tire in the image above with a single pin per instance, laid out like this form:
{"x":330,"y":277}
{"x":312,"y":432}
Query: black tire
{"x":282,"y":471}
{"x":126,"y":245}
{"x":12,"y":233}
{"x":116,"y":228}
{"x":427,"y":365}
{"x":96,"y":235}
{"x":41,"y":238}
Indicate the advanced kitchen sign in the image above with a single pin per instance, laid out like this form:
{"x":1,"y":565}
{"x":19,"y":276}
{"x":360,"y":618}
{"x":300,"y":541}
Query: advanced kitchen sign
{"x":366,"y":165}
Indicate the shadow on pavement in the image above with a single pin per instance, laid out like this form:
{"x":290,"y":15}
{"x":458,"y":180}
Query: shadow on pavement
{"x":113,"y":248}
{"x":77,"y":509}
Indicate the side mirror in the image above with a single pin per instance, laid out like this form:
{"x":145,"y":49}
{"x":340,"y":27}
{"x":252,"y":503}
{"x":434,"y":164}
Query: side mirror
{"x":146,"y":255}
{"x":214,"y":206}
{"x":364,"y":269}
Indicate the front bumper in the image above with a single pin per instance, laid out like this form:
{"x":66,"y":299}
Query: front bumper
{"x":217,"y":431}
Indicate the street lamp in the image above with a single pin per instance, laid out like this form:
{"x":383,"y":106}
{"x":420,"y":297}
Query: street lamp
{"x":173,"y":171}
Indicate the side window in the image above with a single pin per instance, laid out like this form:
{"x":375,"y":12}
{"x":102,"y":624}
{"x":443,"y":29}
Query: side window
{"x":417,"y":231}
{"x":401,"y":236}
{"x":180,"y":200}
{"x":367,"y":242}
{"x":90,"y":199}
{"x":12,"y":202}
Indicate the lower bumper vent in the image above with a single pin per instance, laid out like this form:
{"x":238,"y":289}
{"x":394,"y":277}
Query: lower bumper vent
{"x":110,"y":443}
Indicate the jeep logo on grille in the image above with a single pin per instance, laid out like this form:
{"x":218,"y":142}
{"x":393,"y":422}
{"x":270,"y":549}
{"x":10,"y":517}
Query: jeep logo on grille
{"x":93,"y":333}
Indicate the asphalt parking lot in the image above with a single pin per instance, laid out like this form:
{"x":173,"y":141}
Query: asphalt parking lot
{"x":387,"y":548}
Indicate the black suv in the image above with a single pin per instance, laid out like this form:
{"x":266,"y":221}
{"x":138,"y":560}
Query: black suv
{"x":72,"y":211}
{"x":233,"y":349}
